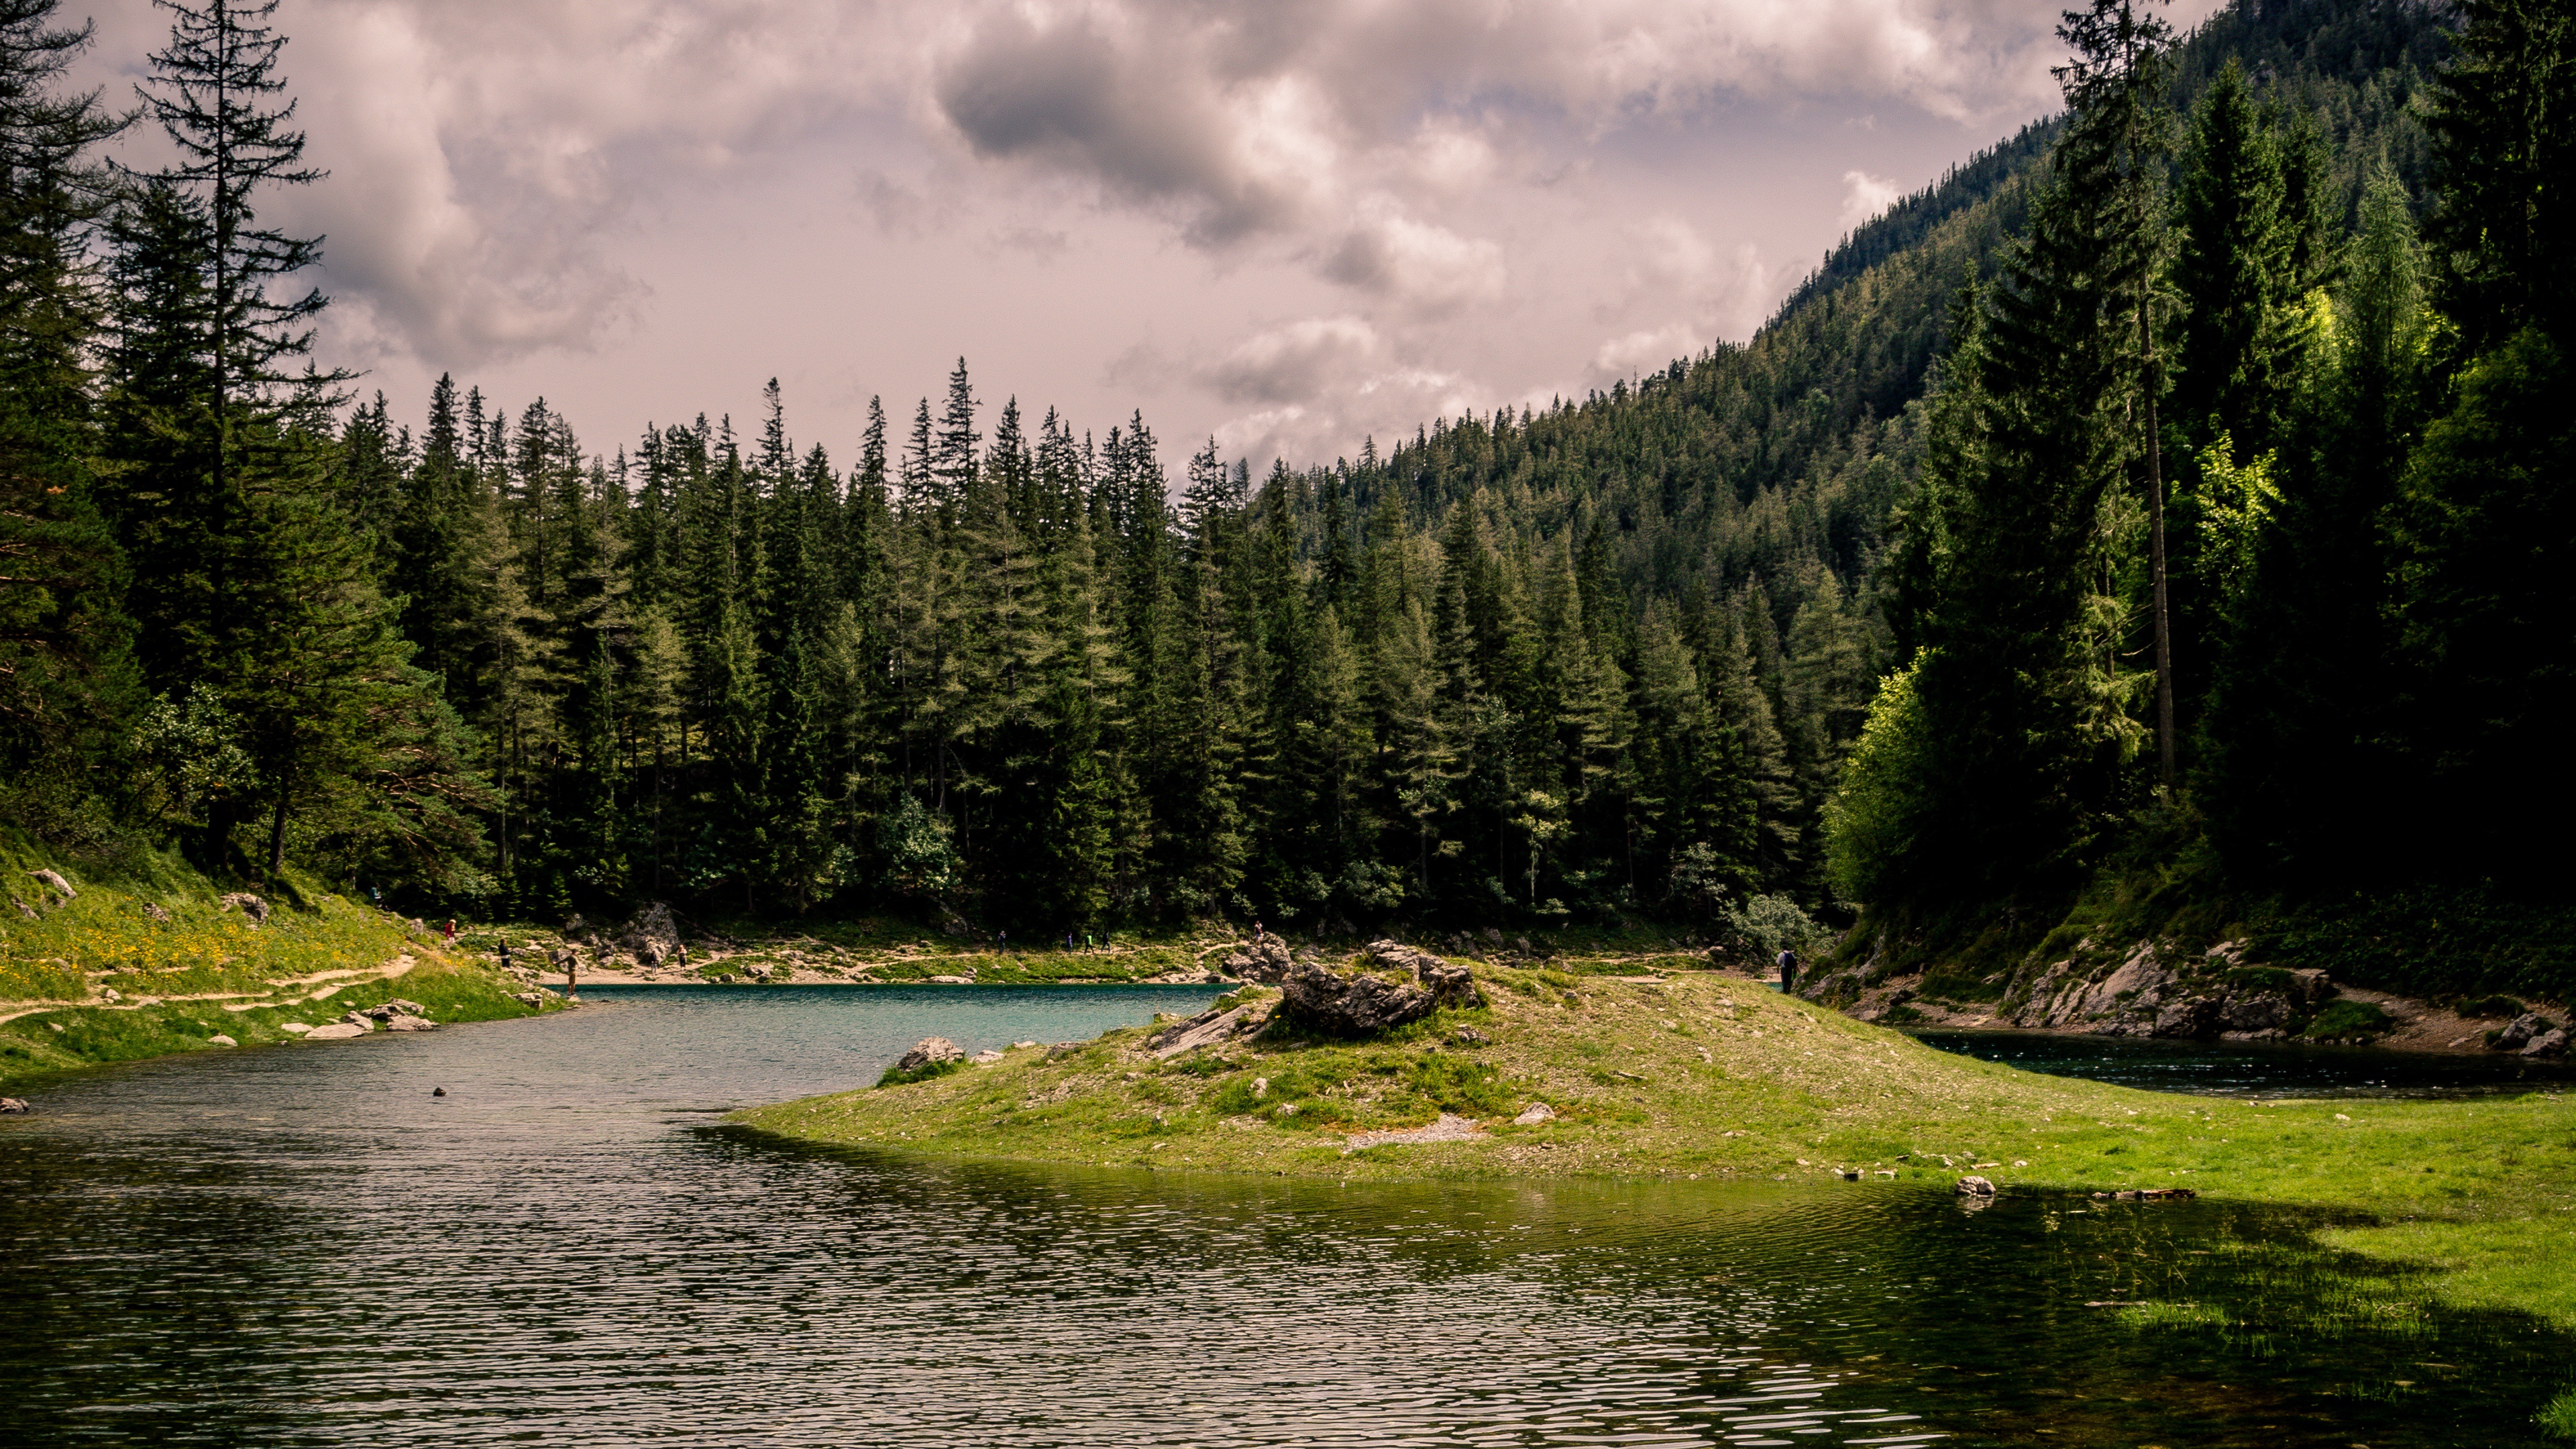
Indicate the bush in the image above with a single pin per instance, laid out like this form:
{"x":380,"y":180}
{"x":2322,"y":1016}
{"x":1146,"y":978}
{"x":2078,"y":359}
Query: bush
{"x":898,"y":1077}
{"x":1772,"y":924}
{"x":2504,"y":1006}
{"x":2349,"y":1018}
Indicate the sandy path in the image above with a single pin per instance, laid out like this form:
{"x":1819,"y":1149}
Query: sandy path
{"x":394,"y":969}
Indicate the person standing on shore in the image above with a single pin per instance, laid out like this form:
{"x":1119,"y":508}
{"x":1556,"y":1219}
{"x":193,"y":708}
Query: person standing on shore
{"x":1788,"y":964}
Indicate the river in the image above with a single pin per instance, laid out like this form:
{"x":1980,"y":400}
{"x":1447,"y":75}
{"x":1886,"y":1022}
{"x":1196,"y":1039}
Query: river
{"x":304,"y":1246}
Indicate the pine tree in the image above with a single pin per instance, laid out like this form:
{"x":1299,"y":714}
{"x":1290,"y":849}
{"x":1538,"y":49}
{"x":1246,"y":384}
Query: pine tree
{"x":66,"y":683}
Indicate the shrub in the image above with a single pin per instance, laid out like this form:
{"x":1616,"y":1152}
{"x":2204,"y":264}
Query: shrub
{"x":1772,"y":924}
{"x":2349,"y":1018}
{"x":898,"y":1077}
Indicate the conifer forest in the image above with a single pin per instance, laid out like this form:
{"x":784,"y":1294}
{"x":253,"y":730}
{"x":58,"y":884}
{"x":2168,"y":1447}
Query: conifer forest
{"x":2174,"y":501}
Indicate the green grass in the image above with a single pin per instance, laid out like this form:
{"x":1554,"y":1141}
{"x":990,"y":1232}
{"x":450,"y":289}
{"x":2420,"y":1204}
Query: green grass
{"x":1787,"y":1089}
{"x":2558,"y":1416}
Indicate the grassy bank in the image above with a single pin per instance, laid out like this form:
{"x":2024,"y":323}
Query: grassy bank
{"x":152,"y":963}
{"x":1717,"y":1077}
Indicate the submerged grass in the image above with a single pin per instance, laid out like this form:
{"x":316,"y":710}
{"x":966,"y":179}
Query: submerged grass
{"x":1713,"y":1076}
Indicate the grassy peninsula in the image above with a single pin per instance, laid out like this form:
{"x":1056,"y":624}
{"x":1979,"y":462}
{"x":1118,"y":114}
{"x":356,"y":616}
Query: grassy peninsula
{"x":1714,"y":1076}
{"x":157,"y":959}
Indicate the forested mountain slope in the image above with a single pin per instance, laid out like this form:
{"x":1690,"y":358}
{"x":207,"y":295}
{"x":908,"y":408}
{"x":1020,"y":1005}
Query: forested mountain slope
{"x":1600,"y":661}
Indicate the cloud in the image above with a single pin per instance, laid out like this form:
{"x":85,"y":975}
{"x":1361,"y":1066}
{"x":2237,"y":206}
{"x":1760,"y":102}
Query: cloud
{"x":1105,"y":100}
{"x":414,"y":265}
{"x":1645,"y":351}
{"x":1865,"y":196}
{"x":1458,"y":196}
{"x":1295,"y":363}
{"x":1425,"y":267}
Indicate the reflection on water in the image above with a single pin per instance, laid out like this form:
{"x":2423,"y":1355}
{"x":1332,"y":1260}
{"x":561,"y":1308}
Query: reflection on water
{"x":2267,"y":1069}
{"x":302,"y":1246}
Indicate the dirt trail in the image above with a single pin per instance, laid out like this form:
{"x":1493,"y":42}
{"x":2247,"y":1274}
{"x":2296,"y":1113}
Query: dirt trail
{"x":394,"y":969}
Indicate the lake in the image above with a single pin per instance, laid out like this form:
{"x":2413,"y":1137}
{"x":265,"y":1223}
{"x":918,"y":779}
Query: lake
{"x":303,"y":1246}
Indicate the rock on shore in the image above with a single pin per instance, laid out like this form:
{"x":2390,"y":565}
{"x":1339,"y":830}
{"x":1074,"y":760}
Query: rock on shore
{"x":1367,"y":1001}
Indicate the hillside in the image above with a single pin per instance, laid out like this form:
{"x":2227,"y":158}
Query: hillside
{"x":1601,"y":665}
{"x":117,"y":966}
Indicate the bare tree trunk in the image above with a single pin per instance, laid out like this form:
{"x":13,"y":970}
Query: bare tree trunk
{"x":276,"y":844}
{"x":2156,"y":553}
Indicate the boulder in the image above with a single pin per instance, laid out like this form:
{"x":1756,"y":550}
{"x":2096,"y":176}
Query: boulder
{"x":13,"y":1106}
{"x":985,"y":1058}
{"x":1264,"y":958}
{"x":157,"y":913}
{"x":2311,"y":987}
{"x":1468,"y":1036}
{"x":2259,"y":1012}
{"x":248,"y":904}
{"x":1364,"y":1004}
{"x":1452,"y":985}
{"x":1063,"y":1049}
{"x":2187,"y":1017}
{"x":1973,"y":1187}
{"x":337,"y":1031}
{"x":219,"y":1039}
{"x":1208,"y":1028}
{"x":52,"y":880}
{"x":1534,"y":1114}
{"x":411,"y":1023}
{"x":2551,"y":1043}
{"x":293,"y":1028}
{"x":2519,"y":1032}
{"x":928,"y":1050}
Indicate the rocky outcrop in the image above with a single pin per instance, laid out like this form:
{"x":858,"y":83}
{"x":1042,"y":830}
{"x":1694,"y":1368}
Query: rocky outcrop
{"x":1365,"y":1002}
{"x":1451,"y":985}
{"x":338,"y":1031}
{"x":1264,"y":958}
{"x":1209,"y":1028}
{"x":653,"y":936}
{"x":52,"y":880}
{"x":1973,"y":1187}
{"x":2149,"y":995}
{"x":1534,"y":1114}
{"x":2532,"y":1035}
{"x":246,"y":903}
{"x":929,"y":1051}
{"x":13,"y":1106}
{"x":387,"y":1011}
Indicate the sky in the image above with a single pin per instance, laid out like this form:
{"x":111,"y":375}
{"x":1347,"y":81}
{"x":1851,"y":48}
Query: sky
{"x":1285,"y":225}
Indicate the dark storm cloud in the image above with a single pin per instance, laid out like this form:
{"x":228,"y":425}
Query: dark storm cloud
{"x":1068,"y":97}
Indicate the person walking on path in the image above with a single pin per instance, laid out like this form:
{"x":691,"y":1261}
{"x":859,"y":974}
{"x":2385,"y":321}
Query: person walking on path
{"x":1788,"y":964}
{"x":451,"y":930}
